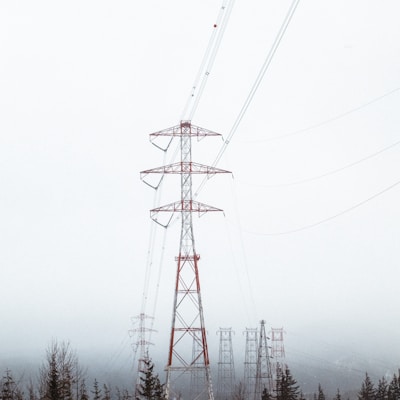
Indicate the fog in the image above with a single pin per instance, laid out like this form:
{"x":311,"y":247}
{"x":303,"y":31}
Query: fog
{"x":308,"y":239}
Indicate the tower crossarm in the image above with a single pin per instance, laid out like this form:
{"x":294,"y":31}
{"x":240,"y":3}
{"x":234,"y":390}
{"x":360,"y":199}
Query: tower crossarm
{"x":190,"y":130}
{"x":184,"y":168}
{"x":184,"y":206}
{"x":185,"y":128}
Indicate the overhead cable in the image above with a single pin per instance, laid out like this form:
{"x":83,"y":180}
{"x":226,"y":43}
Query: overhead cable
{"x":335,"y":171}
{"x":255,"y":86}
{"x":329,"y":120}
{"x":347,"y":210}
{"x":208,"y":60}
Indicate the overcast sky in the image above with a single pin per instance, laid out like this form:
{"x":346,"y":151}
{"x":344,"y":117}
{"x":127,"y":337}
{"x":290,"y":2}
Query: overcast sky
{"x":83,"y":84}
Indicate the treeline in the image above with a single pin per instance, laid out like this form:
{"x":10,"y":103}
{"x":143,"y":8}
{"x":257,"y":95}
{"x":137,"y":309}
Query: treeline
{"x":384,"y":390}
{"x":286,"y":388}
{"x":61,"y":378}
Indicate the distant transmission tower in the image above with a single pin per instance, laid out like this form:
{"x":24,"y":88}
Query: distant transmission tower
{"x":188,"y":351}
{"x":226,"y":367}
{"x":277,"y":350}
{"x":141,"y":346}
{"x":264,"y":383}
{"x":250,"y":361}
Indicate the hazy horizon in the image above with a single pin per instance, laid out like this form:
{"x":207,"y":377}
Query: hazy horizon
{"x":308,"y":239}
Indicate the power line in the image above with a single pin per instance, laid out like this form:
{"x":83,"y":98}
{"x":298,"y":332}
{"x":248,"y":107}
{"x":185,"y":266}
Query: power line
{"x":255,"y":86}
{"x":259,"y":78}
{"x":208,"y":60}
{"x":347,"y":210}
{"x":332,"y":172}
{"x":329,"y":120}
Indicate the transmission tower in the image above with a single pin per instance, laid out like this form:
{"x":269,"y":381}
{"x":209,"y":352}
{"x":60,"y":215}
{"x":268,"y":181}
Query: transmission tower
{"x":226,"y":366}
{"x":188,"y":351}
{"x":250,"y":360}
{"x":263,"y":371}
{"x":277,"y":350}
{"x":141,"y":345}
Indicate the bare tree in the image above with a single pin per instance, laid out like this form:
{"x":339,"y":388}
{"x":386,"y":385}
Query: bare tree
{"x":60,"y":374}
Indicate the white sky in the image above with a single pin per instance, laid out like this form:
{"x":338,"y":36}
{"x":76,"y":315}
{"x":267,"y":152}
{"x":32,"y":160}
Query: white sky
{"x":83,"y":83}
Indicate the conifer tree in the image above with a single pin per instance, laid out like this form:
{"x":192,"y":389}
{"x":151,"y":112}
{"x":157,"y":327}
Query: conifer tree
{"x":66,"y":382}
{"x":393,"y":392}
{"x":126,"y":395}
{"x":59,"y":372}
{"x":382,"y":390}
{"x":96,"y":390}
{"x":106,"y":393}
{"x":321,"y":395}
{"x":286,"y":386}
{"x":150,"y":387}
{"x":338,"y":396}
{"x":9,"y":389}
{"x":83,"y":394}
{"x":53,"y":387}
{"x":367,"y":391}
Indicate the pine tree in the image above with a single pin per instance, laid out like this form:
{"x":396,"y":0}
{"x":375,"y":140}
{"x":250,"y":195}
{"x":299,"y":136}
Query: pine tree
{"x":393,"y":392}
{"x":59,"y":372}
{"x":321,"y":395}
{"x":126,"y":395}
{"x":9,"y":389}
{"x":96,"y":390}
{"x":286,"y":386}
{"x":107,"y":393}
{"x":150,"y":387}
{"x":83,"y":394}
{"x":66,"y":382}
{"x":53,"y":388}
{"x":382,"y":390}
{"x":338,"y":396}
{"x":367,"y":391}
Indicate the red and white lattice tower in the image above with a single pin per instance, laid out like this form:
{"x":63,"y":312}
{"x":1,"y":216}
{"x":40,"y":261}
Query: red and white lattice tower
{"x":277,"y":350}
{"x":264,"y":382}
{"x":250,"y":361}
{"x":226,"y":366}
{"x":188,"y":352}
{"x":141,"y":345}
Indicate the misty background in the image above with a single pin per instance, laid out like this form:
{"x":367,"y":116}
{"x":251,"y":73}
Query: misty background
{"x":309,"y":236}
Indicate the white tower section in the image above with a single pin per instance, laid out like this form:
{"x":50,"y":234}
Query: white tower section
{"x":188,"y":359}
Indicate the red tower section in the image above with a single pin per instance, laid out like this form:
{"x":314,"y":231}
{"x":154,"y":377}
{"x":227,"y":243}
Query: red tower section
{"x":185,"y":365}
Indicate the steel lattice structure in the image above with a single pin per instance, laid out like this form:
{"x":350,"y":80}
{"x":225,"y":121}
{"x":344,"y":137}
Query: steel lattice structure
{"x":277,"y":350}
{"x":263,"y":373}
{"x":142,"y":344}
{"x":250,"y":361}
{"x":188,"y":360}
{"x":226,"y":366}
